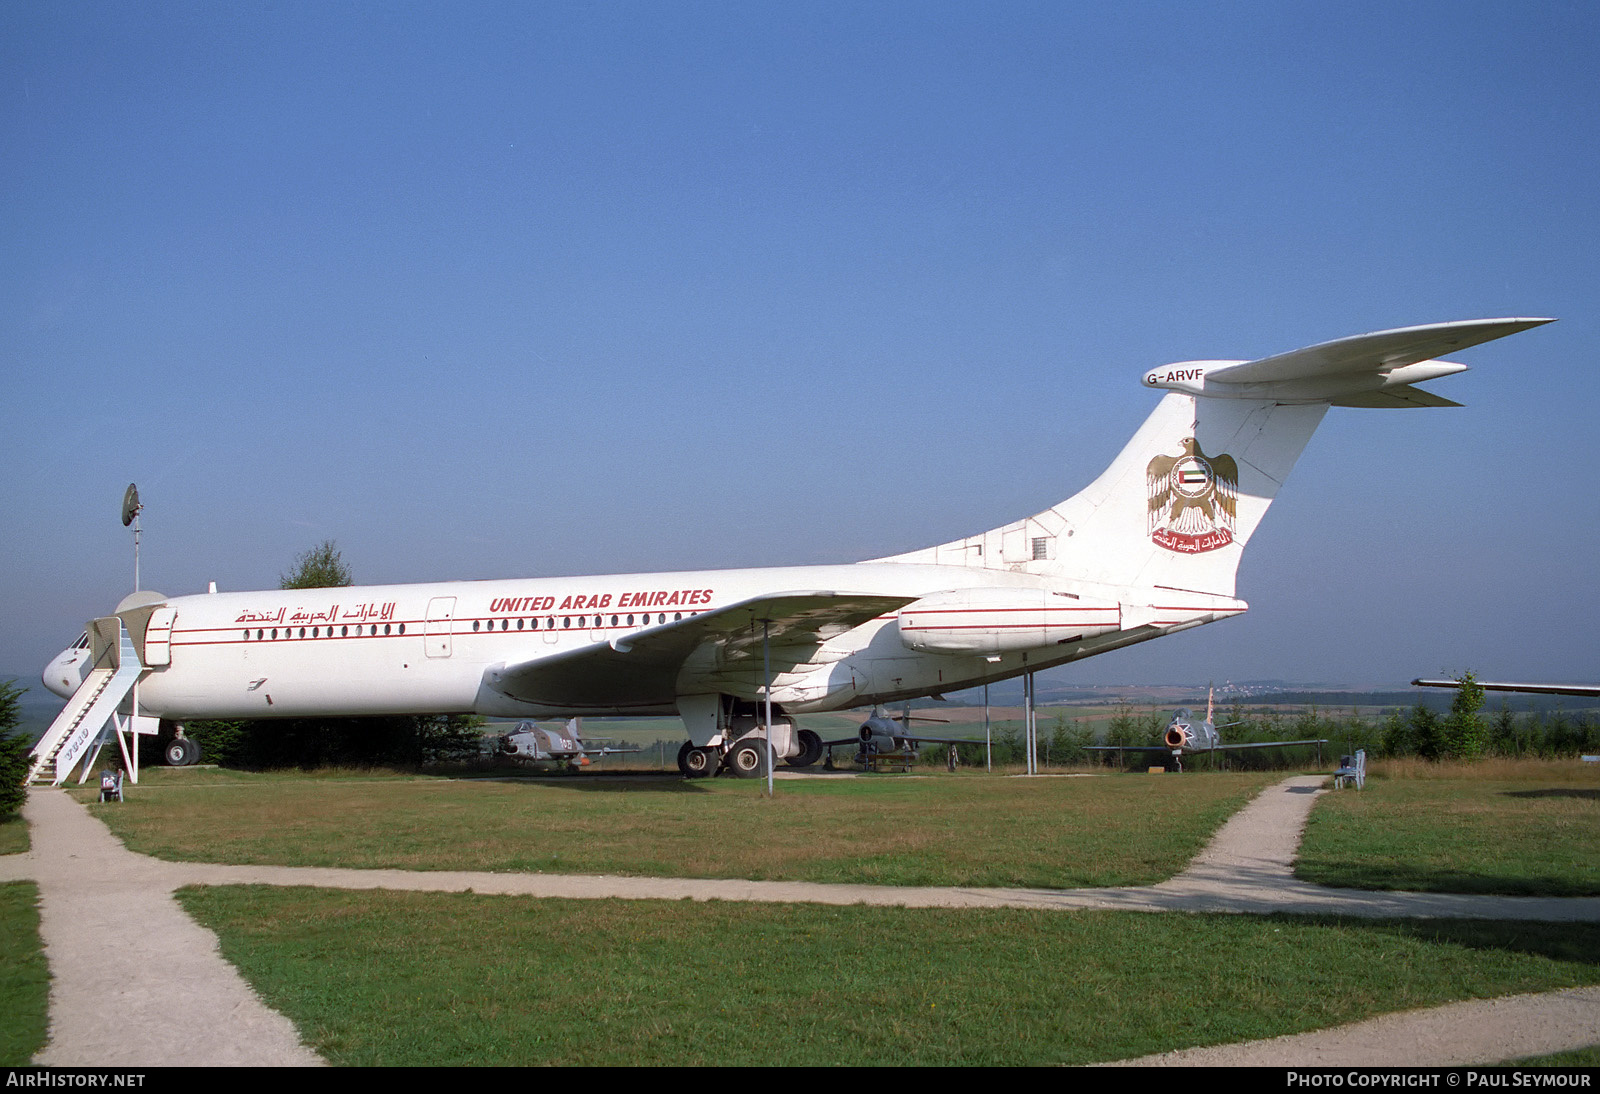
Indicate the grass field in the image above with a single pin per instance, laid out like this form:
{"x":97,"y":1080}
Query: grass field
{"x":24,"y":976}
{"x":942,"y":830}
{"x":1518,"y":828}
{"x":382,"y":978}
{"x":13,"y":835}
{"x":418,"y":978}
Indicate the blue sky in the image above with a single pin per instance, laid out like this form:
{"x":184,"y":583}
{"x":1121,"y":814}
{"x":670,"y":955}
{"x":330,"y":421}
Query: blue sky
{"x":489,"y":290}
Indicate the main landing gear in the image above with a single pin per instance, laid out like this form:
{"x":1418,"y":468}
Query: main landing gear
{"x":746,"y":759}
{"x":747,"y":756}
{"x":697,"y":763}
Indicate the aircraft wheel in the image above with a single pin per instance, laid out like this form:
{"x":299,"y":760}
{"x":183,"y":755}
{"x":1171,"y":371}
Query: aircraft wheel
{"x":178,"y":752}
{"x":810,"y":750}
{"x":194,"y":749}
{"x":748,"y":759}
{"x":694,"y":763}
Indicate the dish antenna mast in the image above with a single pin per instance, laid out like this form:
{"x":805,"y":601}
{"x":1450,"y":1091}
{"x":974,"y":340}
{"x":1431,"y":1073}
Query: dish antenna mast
{"x":130,"y":515}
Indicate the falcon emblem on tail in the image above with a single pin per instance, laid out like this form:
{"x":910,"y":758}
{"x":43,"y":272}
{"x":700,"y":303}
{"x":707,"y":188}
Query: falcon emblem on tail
{"x":1193,"y":499}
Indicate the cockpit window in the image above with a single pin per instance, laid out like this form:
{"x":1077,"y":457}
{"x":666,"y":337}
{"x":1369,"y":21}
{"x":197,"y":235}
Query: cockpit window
{"x":83,"y":641}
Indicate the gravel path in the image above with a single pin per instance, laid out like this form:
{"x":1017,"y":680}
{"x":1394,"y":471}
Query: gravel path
{"x":136,"y":982}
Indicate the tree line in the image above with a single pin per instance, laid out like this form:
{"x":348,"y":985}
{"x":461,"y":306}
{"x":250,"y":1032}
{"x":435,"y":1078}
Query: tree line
{"x":1464,"y":732}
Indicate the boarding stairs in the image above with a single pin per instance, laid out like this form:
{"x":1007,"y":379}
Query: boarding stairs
{"x":116,"y":668}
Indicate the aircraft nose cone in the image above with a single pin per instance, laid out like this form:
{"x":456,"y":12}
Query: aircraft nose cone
{"x":64,"y":673}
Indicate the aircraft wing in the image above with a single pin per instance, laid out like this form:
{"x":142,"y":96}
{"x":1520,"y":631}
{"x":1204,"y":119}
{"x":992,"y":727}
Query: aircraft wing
{"x":1159,"y":747}
{"x":641,"y":668}
{"x":1257,"y":744}
{"x":918,"y":739}
{"x":1532,"y":689}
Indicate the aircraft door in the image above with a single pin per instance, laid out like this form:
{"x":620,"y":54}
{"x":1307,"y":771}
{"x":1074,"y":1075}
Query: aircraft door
{"x":158,"y":636}
{"x":436,"y":630}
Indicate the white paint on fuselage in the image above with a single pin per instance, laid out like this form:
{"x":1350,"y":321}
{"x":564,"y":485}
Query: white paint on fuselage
{"x":360,"y":650}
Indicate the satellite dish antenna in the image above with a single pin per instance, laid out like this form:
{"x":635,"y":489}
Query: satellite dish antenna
{"x":130,"y":515}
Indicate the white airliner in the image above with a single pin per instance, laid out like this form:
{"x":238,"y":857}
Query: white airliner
{"x":1148,"y":549}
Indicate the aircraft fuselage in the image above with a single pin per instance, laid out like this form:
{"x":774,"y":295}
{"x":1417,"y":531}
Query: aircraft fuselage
{"x":403,"y":649}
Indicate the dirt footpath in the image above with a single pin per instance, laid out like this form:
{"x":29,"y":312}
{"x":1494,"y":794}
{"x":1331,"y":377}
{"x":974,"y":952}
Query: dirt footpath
{"x":136,"y":982}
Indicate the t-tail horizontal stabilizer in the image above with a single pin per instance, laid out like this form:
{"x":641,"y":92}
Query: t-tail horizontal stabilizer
{"x":1170,"y":517}
{"x":1366,"y":370}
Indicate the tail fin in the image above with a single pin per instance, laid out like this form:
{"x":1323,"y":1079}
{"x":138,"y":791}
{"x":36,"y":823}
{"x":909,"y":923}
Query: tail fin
{"x":1177,"y":506}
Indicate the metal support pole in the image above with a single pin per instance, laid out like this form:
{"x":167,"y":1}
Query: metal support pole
{"x":988,"y":743}
{"x":766,"y":672}
{"x":1030,"y":728}
{"x":133,"y":739}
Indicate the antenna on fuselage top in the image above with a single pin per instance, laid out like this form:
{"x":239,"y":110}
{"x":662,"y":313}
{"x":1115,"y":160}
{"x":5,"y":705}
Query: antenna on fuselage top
{"x":130,"y":515}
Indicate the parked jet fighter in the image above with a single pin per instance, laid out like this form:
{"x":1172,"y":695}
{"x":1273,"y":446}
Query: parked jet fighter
{"x":1187,"y":733}
{"x":543,"y":744}
{"x":882,"y":732}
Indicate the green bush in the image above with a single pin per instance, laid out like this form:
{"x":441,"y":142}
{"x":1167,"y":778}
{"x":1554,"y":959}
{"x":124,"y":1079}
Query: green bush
{"x":13,"y":752}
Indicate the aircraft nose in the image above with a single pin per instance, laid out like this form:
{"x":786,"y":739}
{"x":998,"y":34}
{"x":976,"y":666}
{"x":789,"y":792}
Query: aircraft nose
{"x":65,"y":672}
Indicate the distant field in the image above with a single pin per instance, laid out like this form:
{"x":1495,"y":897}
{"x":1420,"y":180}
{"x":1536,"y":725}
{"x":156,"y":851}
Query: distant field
{"x":396,"y":979}
{"x":1519,"y":828}
{"x":967,"y":829}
